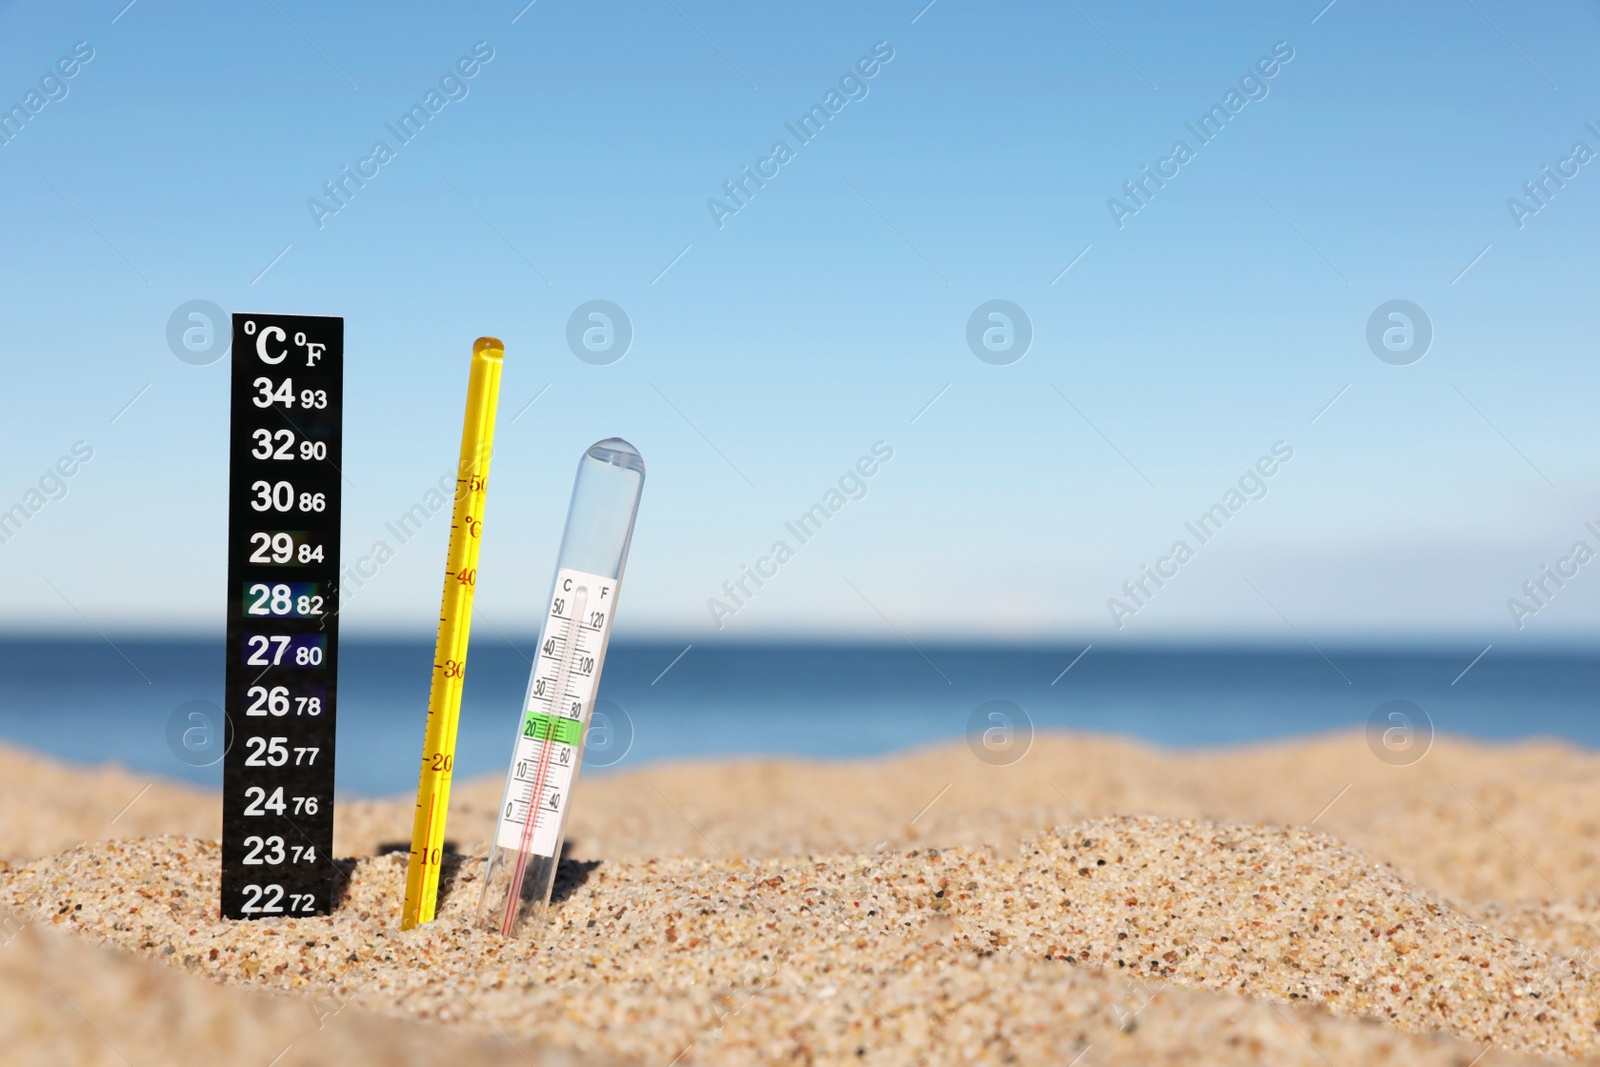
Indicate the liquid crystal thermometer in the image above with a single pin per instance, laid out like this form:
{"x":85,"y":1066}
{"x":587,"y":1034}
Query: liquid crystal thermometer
{"x":561,"y":690}
{"x":284,"y":454}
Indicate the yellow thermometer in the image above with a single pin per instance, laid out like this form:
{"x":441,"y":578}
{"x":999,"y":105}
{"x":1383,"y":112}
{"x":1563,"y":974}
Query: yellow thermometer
{"x":455,"y":626}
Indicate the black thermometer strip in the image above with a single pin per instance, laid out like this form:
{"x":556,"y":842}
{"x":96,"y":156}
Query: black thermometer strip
{"x":284,"y":458}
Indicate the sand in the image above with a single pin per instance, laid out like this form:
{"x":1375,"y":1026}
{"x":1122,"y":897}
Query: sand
{"x":1293,"y":903}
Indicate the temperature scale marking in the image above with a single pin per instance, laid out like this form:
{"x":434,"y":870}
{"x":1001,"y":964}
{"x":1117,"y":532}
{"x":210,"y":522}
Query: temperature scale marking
{"x":285,"y":448}
{"x":556,"y":712}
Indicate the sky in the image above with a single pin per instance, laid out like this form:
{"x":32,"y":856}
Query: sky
{"x":1179,"y":338}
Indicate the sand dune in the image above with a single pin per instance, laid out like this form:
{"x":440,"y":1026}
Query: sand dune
{"x":1098,"y":898}
{"x":1473,"y":821}
{"x":47,"y":806}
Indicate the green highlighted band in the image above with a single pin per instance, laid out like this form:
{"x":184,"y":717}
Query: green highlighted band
{"x":542,"y":727}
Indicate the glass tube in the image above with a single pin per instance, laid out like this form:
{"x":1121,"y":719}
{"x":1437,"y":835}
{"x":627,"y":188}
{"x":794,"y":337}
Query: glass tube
{"x":531,"y":824}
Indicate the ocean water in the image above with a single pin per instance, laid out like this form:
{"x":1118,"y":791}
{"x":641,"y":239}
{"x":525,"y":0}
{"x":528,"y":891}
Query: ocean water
{"x":90,"y":702}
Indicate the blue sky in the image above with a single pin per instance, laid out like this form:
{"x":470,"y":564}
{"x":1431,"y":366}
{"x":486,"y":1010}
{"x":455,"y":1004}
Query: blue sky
{"x":772,"y":352}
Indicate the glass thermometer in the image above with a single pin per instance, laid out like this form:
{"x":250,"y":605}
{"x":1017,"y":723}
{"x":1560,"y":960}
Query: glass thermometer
{"x":455,"y":628}
{"x":561,"y":690}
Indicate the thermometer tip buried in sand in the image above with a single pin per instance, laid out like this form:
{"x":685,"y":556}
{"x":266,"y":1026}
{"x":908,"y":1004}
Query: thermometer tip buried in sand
{"x":455,"y":626}
{"x":561,"y":690}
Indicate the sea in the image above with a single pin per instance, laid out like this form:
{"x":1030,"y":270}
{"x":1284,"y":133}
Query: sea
{"x":154,"y":705}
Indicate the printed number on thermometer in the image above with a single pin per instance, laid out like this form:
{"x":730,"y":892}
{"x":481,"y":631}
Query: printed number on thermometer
{"x":277,"y":702}
{"x":284,"y":650}
{"x":294,"y":600}
{"x":272,"y":900}
{"x":260,"y":802}
{"x":268,"y":394}
{"x":280,"y":444}
{"x":272,"y":852}
{"x":281,"y":496}
{"x":285,"y":547}
{"x":274,"y":752}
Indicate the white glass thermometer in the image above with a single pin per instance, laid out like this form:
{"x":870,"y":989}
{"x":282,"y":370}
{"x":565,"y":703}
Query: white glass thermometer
{"x":561,"y":690}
